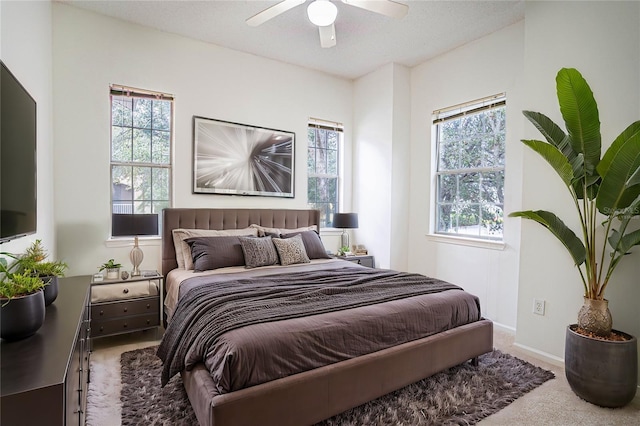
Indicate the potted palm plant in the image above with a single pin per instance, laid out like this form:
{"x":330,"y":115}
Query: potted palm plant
{"x":33,"y":259}
{"x":22,"y":307}
{"x":600,"y":363}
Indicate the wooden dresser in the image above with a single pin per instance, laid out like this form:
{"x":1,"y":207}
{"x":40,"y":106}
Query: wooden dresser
{"x":44,"y":378}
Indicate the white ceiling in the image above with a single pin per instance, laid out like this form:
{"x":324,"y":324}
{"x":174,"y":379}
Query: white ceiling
{"x":365,"y":40}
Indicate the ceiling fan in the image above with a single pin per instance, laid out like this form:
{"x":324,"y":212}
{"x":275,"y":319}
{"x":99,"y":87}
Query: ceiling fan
{"x":322,"y":13}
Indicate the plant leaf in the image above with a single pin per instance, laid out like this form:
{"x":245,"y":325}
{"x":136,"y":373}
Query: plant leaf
{"x":554,"y":157}
{"x":624,"y":216}
{"x":609,"y":155}
{"x":619,"y":170}
{"x":628,"y":241}
{"x":551,"y":132}
{"x":580,"y":112}
{"x":553,"y":223}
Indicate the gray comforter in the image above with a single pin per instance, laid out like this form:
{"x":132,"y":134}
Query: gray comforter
{"x":209,"y":310}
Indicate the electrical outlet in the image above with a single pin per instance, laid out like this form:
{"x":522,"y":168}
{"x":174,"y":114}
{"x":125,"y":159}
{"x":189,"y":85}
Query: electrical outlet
{"x":538,"y":306}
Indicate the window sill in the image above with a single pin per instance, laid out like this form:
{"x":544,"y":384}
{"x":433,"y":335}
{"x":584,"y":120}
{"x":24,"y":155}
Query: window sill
{"x":330,"y":231}
{"x":470,"y":242}
{"x":128,"y":242}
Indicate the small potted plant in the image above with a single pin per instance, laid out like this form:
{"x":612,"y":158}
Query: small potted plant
{"x":22,"y":307}
{"x":112,"y":268}
{"x":34,"y":260}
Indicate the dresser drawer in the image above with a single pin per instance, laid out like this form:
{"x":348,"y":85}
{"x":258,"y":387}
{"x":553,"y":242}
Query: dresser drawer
{"x":124,"y":325}
{"x":112,"y":310}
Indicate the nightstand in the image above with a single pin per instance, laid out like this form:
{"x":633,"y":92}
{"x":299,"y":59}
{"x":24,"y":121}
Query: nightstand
{"x":365,"y":260}
{"x":123,"y":306}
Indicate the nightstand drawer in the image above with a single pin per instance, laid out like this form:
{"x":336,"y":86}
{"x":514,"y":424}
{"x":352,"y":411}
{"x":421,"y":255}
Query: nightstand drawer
{"x":124,"y":325}
{"x":360,"y":260}
{"x":118,"y":291}
{"x":106,"y":311}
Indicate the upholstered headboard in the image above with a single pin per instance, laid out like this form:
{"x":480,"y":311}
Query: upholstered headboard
{"x":226,"y":219}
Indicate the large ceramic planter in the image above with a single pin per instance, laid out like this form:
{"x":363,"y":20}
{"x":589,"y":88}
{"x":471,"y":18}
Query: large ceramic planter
{"x":50,"y":290}
{"x":22,"y":316}
{"x":602,"y":372}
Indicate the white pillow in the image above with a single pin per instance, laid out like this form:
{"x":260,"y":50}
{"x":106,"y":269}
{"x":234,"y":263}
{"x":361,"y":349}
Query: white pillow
{"x":183,"y":252}
{"x":263,"y":230}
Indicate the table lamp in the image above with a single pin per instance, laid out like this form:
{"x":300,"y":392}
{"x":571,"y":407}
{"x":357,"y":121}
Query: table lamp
{"x":345,"y":221}
{"x":134,"y":225}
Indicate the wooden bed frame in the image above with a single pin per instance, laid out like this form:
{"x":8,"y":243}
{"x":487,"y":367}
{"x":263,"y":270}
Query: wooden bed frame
{"x":309,"y":397}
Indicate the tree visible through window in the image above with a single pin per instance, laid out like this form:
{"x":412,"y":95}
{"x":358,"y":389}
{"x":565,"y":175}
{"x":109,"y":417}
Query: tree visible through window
{"x":323,"y":170}
{"x":141,"y":135}
{"x":470,"y":146}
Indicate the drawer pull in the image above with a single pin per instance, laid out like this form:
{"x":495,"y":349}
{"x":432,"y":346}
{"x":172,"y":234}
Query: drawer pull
{"x":148,"y":305}
{"x":101,"y":328}
{"x":101,"y":312}
{"x":125,"y":309}
{"x":148,"y":322}
{"x":124,"y":325}
{"x":125,"y":291}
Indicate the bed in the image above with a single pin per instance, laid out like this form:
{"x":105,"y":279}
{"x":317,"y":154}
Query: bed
{"x":315,"y":391}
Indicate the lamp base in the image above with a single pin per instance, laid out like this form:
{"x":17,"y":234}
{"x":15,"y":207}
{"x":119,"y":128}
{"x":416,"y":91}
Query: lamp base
{"x":344,"y":239}
{"x":136,"y":257}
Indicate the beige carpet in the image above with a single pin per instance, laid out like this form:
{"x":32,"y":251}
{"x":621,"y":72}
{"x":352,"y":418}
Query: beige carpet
{"x":553,"y":403}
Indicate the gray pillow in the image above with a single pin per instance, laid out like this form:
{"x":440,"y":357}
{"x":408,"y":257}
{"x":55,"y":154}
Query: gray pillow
{"x":210,"y":253}
{"x":258,"y":251}
{"x":291,"y":250}
{"x":312,"y":244}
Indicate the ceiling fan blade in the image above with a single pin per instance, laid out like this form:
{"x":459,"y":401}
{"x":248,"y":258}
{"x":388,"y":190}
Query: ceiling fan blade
{"x":273,"y":11}
{"x":388,"y":8}
{"x":327,"y":36}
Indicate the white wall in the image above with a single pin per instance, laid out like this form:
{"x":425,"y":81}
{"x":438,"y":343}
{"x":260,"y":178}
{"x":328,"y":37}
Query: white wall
{"x":25,"y":48}
{"x":381,"y":146}
{"x":92,"y":51}
{"x":485,"y":67}
{"x":400,"y":175}
{"x":601,"y":40}
{"x":372,"y":134}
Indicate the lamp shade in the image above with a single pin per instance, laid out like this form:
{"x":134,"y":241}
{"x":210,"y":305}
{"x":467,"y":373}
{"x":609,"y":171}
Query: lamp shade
{"x":131,"y":225}
{"x":345,"y":220}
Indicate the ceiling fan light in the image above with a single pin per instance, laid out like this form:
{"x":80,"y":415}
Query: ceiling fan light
{"x":322,"y":12}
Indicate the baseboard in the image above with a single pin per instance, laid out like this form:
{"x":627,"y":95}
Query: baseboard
{"x":505,"y":328}
{"x":541,"y":355}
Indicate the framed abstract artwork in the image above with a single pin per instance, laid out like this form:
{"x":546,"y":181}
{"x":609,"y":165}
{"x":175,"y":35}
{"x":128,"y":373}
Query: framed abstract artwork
{"x":238,"y":159}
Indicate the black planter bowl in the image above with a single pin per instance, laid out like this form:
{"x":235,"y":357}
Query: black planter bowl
{"x":601,"y":372}
{"x":51,"y":289}
{"x":22,"y":316}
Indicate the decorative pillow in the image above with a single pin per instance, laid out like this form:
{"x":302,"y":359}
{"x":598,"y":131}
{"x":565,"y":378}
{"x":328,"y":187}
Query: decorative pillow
{"x":264,"y":230}
{"x":215,"y":252}
{"x":312,"y":244}
{"x":291,"y":250}
{"x":258,"y":251}
{"x":183,"y":253}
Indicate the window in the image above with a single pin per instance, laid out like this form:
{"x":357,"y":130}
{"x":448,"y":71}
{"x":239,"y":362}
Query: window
{"x":470,"y":150}
{"x":141,"y":135}
{"x":323,"y":168}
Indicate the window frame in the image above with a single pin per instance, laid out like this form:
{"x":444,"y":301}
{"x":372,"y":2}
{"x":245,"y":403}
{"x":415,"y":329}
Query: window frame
{"x":118,"y":91}
{"x":338,"y":128}
{"x":451,"y":113}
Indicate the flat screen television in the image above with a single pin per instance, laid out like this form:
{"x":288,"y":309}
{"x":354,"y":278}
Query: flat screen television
{"x":18,"y":161}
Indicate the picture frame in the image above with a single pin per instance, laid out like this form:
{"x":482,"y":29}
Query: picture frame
{"x":240,"y":159}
